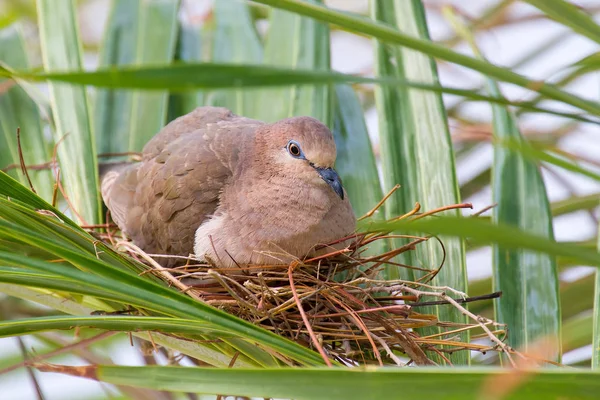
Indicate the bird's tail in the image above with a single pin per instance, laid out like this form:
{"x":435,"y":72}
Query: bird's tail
{"x":109,"y":172}
{"x":117,"y":185}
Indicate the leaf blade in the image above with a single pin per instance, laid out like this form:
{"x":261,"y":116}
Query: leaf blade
{"x":569,"y":15}
{"x":530,"y":303}
{"x":112,"y":109}
{"x":417,"y":152}
{"x":355,"y":160}
{"x":346,"y":383}
{"x":18,"y":111}
{"x":484,"y":232}
{"x":297,"y":42}
{"x":156,"y":38}
{"x":235,"y":41}
{"x":190,"y":46}
{"x":61,"y":49}
{"x":184,"y":77}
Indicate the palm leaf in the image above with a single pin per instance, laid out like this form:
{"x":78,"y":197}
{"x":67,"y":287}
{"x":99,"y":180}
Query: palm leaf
{"x":521,"y":196}
{"x":61,"y":50}
{"x":296,"y":42}
{"x":416,"y":149}
{"x":375,"y":383}
{"x":156,"y":39}
{"x":19,"y":112}
{"x":235,"y":41}
{"x":355,"y":161}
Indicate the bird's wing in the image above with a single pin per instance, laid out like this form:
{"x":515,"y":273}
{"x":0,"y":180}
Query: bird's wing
{"x":178,"y":183}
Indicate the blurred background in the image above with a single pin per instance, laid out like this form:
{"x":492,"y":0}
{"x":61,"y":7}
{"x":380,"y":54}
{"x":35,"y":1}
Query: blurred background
{"x":509,"y":33}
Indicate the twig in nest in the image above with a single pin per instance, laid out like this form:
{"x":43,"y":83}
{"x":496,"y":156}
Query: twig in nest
{"x":160,"y":269}
{"x":481,"y":321}
{"x":412,"y":212}
{"x":364,"y":328}
{"x":490,"y":296}
{"x":304,"y":318}
{"x":441,"y":209}
{"x":378,"y":205}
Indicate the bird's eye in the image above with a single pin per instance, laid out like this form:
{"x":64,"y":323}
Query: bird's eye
{"x":294,"y":149}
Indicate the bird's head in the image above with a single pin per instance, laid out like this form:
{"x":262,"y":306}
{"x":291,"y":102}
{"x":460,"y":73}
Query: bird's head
{"x":301,"y":147}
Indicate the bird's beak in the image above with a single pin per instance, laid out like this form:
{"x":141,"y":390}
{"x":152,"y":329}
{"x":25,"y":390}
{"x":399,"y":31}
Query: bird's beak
{"x":333,"y":179}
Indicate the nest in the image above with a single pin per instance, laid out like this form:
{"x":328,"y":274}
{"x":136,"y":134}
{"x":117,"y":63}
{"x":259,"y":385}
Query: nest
{"x":339,"y":305}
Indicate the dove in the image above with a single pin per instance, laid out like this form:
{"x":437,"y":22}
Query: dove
{"x":232,"y":190}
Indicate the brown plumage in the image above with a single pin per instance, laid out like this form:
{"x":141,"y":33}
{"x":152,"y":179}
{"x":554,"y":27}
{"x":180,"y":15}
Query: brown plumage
{"x":232,"y":189}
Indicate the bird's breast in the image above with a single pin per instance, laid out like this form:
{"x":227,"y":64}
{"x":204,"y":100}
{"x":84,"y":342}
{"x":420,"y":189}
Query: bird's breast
{"x":274,"y":216}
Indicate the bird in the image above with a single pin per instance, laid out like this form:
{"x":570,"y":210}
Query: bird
{"x":232,"y":190}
